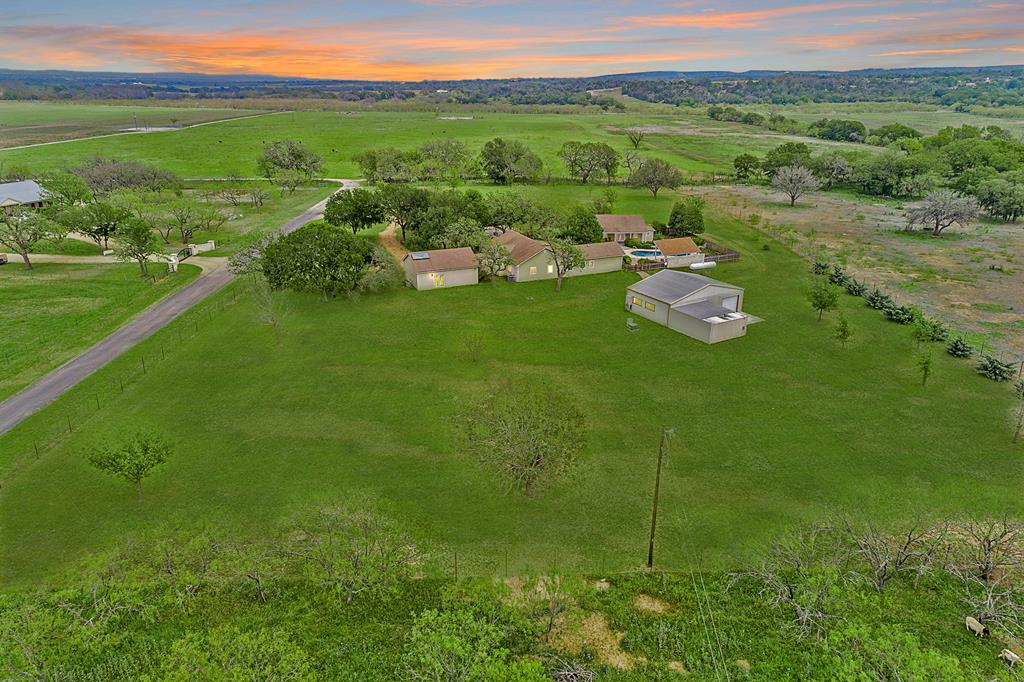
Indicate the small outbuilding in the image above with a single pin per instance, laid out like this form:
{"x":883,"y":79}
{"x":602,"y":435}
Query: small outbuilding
{"x":441,"y":268}
{"x":679,"y":252}
{"x":700,"y":307}
{"x":603,"y":257}
{"x":619,"y":228}
{"x":22,"y":194}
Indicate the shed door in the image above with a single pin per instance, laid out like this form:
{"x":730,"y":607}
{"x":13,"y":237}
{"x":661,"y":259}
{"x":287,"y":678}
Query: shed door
{"x":731,"y":302}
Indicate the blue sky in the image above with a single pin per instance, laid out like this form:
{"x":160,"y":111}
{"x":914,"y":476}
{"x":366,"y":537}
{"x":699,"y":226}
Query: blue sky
{"x":409,"y":40}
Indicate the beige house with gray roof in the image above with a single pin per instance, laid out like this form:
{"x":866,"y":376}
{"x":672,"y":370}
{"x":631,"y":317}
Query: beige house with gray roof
{"x":698,"y":306}
{"x":531,"y":258}
{"x":441,"y":268}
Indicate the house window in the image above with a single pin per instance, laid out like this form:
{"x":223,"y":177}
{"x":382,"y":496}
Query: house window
{"x":533,"y":269}
{"x":649,"y":306}
{"x":551,"y":269}
{"x":438,"y":278}
{"x":591,"y":264}
{"x":637,"y":301}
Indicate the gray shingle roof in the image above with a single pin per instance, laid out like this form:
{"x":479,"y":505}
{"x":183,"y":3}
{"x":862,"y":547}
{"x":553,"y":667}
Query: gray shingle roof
{"x":23,"y":192}
{"x":703,"y":310}
{"x":669,"y":286}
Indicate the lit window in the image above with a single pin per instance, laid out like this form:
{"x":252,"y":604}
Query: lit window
{"x":438,"y":278}
{"x":636,"y":301}
{"x":551,"y":269}
{"x":533,"y":269}
{"x":591,"y":264}
{"x":649,"y":306}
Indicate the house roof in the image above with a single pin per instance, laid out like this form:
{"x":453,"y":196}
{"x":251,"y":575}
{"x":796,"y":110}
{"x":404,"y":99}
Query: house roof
{"x":601,"y":250}
{"x":616,"y":224}
{"x":668,"y":286}
{"x":443,"y":259}
{"x":23,"y":192}
{"x":704,"y":310}
{"x":676,"y":246}
{"x":520,"y":246}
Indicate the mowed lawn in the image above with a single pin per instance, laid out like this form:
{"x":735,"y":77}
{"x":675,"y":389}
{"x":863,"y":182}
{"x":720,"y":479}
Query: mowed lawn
{"x":362,"y":398}
{"x":52,"y":312}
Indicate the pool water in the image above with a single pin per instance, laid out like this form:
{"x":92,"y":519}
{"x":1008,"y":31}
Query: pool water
{"x":646,"y":254}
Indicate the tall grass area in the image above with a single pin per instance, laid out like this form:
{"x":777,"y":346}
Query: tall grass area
{"x":363,"y":397}
{"x":52,"y":312}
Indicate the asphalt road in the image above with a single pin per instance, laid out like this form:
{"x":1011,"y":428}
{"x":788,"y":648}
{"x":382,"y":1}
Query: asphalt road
{"x":44,"y":391}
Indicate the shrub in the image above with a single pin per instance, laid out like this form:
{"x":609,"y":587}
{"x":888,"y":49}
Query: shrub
{"x":995,"y":369}
{"x":855,"y":288}
{"x":819,"y":267}
{"x":838,"y":276}
{"x":959,"y":348}
{"x":932,"y":330}
{"x":878,"y":300}
{"x":900,"y":314}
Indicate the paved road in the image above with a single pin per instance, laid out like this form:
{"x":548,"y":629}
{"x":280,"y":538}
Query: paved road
{"x":38,"y":395}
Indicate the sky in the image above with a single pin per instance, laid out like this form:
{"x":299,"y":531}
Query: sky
{"x":449,"y":39}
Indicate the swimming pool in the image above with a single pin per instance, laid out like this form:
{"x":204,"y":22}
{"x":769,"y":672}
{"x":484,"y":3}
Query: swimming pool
{"x":645,"y":254}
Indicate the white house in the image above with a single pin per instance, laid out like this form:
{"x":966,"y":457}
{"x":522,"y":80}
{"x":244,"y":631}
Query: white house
{"x":698,"y":306}
{"x":441,"y":268}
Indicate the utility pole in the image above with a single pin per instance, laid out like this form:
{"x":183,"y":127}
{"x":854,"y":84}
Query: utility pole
{"x":666,"y":435}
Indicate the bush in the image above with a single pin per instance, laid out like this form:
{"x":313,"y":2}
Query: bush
{"x":959,"y":348}
{"x":932,"y":330}
{"x":900,"y":314}
{"x":995,"y":369}
{"x":819,"y":267}
{"x":838,"y":276}
{"x":855,"y":288}
{"x":878,"y":300}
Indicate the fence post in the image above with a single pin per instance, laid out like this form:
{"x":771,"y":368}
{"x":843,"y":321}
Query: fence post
{"x":143,"y":364}
{"x":36,"y":447}
{"x":70,"y":430}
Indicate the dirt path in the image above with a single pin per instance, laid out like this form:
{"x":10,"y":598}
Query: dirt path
{"x":206,"y":263}
{"x":142,"y":132}
{"x":389,"y":238}
{"x":38,"y":395}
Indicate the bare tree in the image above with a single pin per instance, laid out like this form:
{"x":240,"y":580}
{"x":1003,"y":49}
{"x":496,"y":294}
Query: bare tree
{"x":636,"y":136}
{"x":988,"y":548}
{"x":794,"y":182}
{"x":526,"y":431}
{"x":885,"y":555}
{"x":353,"y":551}
{"x":942,"y":209}
{"x":258,"y":195}
{"x":791,"y":577}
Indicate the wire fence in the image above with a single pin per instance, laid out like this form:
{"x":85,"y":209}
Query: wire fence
{"x":85,"y":402}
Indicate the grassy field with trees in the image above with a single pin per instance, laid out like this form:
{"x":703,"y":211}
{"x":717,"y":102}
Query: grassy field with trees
{"x":765,"y":441}
{"x":318,"y":474}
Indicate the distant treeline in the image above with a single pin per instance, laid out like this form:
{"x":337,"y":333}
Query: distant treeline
{"x":989,"y":86}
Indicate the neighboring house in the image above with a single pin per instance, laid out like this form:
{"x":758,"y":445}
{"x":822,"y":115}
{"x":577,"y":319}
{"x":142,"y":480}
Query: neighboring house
{"x":441,"y":269}
{"x":603,"y":257}
{"x":619,"y":228}
{"x":679,"y":251}
{"x":698,"y":306}
{"x":26,"y":193}
{"x":531,"y":258}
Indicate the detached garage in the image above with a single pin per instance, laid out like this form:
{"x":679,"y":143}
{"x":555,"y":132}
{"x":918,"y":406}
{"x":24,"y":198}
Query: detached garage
{"x":698,"y":306}
{"x":441,"y":269}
